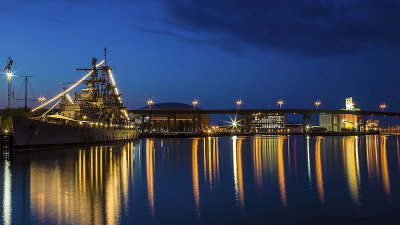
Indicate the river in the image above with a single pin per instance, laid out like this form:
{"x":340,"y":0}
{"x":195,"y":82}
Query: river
{"x":225,"y":180}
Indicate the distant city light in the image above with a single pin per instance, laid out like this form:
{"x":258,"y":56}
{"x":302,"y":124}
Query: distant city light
{"x":383,"y":106}
{"x":280,"y":103}
{"x":317,"y":103}
{"x":195,"y":102}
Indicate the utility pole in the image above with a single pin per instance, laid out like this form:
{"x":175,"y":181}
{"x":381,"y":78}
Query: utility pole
{"x":26,"y":93}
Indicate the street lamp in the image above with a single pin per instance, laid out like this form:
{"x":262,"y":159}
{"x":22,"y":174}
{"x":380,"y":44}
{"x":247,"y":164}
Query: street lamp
{"x":317,"y":103}
{"x":383,"y":106}
{"x":195,"y":102}
{"x":280,"y":103}
{"x":150,"y":102}
{"x":9,"y":75}
{"x":238,"y":103}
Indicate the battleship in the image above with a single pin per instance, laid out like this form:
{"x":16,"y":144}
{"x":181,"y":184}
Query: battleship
{"x":95,"y":114}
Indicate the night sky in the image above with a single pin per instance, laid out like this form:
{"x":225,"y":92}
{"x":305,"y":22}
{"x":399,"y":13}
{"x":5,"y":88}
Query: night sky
{"x":216,"y":51}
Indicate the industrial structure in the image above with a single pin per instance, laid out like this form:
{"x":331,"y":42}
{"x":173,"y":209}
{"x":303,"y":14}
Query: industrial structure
{"x":343,"y":121}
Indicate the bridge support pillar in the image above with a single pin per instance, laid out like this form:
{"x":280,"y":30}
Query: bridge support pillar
{"x":199,"y":123}
{"x":175,"y":129}
{"x":361,"y":123}
{"x":306,"y":123}
{"x":168,"y":123}
{"x":193,"y":123}
{"x":142,"y":125}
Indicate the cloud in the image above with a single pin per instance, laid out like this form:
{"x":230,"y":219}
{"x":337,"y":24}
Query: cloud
{"x":305,"y":27}
{"x":226,"y":45}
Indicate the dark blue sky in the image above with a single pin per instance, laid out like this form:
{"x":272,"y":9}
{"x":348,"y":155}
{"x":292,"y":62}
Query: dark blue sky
{"x":216,"y":51}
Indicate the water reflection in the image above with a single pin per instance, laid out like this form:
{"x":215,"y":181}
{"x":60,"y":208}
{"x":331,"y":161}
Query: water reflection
{"x":7,"y":187}
{"x":281,"y":171}
{"x":195,"y":175}
{"x":268,"y":154}
{"x":187,"y":181}
{"x":384,"y":167}
{"x":211,"y":161}
{"x":318,"y":170}
{"x":308,"y":160}
{"x":67,"y":197}
{"x":351,"y":167}
{"x":258,"y":162}
{"x":238,"y":170}
{"x":150,"y":174}
{"x":376,"y":151}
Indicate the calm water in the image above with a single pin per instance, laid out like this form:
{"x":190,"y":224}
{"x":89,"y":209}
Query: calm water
{"x":235,"y":180}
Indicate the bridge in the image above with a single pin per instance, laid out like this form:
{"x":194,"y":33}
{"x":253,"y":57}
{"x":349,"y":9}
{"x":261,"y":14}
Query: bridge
{"x":171,"y":115}
{"x":267,"y":111}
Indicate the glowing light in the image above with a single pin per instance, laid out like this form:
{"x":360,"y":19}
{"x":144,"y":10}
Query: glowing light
{"x":115,"y":85}
{"x":150,"y":102}
{"x":125,"y":113}
{"x":69,"y":99}
{"x":239,"y":102}
{"x":41,"y":99}
{"x":68,"y":89}
{"x":51,"y":108}
{"x":317,"y":103}
{"x":7,"y":194}
{"x":383,"y":106}
{"x":195,"y":102}
{"x":280,"y":103}
{"x":9,"y":74}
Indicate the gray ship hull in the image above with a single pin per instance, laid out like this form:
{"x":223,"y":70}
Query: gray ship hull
{"x":34,"y":134}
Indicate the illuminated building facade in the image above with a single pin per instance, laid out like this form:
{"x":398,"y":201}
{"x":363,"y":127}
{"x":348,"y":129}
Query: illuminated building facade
{"x":372,"y":125}
{"x":262,"y":122}
{"x":343,"y":121}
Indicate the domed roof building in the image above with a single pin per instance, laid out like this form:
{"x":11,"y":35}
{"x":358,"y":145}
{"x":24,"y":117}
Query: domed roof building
{"x":164,"y":122}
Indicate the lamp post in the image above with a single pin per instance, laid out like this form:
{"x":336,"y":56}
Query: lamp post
{"x":280,"y":103}
{"x":239,"y":103}
{"x":150,"y":103}
{"x":383,"y":106}
{"x":195,"y":102}
{"x":9,"y":74}
{"x":317,"y":103}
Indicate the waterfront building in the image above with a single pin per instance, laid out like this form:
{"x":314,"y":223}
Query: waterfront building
{"x":152,"y":122}
{"x":267,"y":122}
{"x":372,"y":125}
{"x":342,"y":121}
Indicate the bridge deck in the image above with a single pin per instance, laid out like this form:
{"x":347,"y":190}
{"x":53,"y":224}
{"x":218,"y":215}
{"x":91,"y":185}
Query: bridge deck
{"x":251,"y":111}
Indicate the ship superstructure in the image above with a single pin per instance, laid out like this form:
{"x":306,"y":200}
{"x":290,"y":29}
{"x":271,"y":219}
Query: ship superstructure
{"x":95,"y":113}
{"x":99,"y":102}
